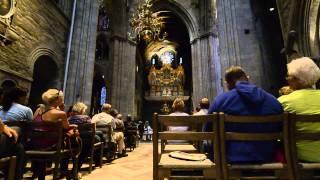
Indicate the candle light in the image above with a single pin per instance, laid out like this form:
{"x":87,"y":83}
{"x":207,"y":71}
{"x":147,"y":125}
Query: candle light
{"x":153,"y":62}
{"x":180,"y":60}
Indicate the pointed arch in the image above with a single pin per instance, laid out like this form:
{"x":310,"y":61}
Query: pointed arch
{"x":188,"y":19}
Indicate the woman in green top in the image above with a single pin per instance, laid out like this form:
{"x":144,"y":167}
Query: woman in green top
{"x":303,"y":73}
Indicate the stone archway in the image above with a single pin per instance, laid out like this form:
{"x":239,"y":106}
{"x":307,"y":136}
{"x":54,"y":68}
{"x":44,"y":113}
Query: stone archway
{"x":45,"y":76}
{"x":205,"y":60}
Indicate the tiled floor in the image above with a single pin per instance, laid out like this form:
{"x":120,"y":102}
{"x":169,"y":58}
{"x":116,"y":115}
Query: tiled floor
{"x":138,"y":165}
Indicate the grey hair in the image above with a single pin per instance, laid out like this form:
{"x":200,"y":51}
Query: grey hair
{"x":305,"y":70}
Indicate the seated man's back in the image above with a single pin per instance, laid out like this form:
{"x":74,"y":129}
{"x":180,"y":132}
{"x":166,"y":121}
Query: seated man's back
{"x":247,"y":99}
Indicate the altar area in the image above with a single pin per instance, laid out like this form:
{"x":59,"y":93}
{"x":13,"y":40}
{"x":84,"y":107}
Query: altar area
{"x":166,"y":76}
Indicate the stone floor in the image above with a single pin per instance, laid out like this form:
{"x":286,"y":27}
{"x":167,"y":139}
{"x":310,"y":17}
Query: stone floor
{"x":138,"y":165}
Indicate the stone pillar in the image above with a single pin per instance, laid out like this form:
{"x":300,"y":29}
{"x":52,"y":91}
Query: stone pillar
{"x":123,"y":55}
{"x":206,"y":70}
{"x":81,"y":68}
{"x":238,"y":39}
{"x":66,"y":7}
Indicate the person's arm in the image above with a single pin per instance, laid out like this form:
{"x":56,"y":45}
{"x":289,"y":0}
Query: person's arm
{"x":29,"y":114}
{"x":8,"y":131}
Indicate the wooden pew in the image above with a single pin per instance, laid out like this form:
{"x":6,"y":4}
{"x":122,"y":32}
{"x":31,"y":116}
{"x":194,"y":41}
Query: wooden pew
{"x":164,"y":165}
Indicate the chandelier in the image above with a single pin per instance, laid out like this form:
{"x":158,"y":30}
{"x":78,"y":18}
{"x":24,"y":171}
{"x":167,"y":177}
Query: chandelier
{"x":146,"y":24}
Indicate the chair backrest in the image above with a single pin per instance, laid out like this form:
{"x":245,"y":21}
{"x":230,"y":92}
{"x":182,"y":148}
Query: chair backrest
{"x":298,"y":135}
{"x":8,"y":166}
{"x":23,"y":127}
{"x":51,"y":130}
{"x":248,"y":136}
{"x":88,"y":129}
{"x":106,"y":130}
{"x":160,"y":122}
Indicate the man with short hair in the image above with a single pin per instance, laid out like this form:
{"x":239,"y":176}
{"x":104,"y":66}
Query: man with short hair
{"x":104,"y":117}
{"x":204,"y":106}
{"x":244,"y":98}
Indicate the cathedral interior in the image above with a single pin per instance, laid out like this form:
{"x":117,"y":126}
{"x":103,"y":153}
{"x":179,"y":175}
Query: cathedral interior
{"x":139,"y":55}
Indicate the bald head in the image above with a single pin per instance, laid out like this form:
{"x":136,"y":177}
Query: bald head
{"x":106,"y":108}
{"x":204,"y":103}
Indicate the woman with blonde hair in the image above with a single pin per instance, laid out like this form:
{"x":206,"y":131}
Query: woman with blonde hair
{"x":52,"y":98}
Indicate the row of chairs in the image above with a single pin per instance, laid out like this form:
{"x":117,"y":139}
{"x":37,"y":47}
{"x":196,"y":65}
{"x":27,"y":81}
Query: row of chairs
{"x":218,"y":168}
{"x":32,"y":130}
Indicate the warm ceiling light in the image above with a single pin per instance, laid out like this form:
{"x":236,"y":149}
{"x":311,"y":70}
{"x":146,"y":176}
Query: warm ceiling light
{"x":147,"y":24}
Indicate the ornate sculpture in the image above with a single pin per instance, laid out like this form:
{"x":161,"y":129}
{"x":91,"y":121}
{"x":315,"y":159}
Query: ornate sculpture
{"x":166,"y":81}
{"x":7,"y":31}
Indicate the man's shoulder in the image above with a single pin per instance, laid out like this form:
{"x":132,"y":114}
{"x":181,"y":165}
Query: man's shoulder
{"x":20,"y":107}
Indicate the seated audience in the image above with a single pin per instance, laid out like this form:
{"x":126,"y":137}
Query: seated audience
{"x":12,"y":106}
{"x":303,"y":73}
{"x":178,"y":108}
{"x":52,"y":98}
{"x":244,"y":98}
{"x":131,"y":132}
{"x":118,"y":135}
{"x":104,"y":117}
{"x":79,"y":117}
{"x":10,"y":147}
{"x":204,"y":106}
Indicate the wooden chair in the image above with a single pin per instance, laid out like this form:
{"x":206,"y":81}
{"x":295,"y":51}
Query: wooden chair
{"x":303,"y":170}
{"x":110,"y":147}
{"x":8,"y":167}
{"x":231,"y":171}
{"x":90,"y":129}
{"x":190,"y":147}
{"x":163,"y":164}
{"x":22,"y":127}
{"x":55,"y":154}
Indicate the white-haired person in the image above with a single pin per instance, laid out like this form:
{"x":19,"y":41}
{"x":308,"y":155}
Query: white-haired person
{"x":79,"y":117}
{"x":302,"y":76}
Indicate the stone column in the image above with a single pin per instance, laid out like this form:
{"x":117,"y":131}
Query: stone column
{"x":81,"y":68}
{"x":238,"y":39}
{"x":123,"y":55}
{"x":66,"y":7}
{"x":206,"y":70}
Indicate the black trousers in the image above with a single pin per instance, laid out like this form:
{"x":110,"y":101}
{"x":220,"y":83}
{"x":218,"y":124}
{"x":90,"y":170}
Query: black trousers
{"x":9,"y":148}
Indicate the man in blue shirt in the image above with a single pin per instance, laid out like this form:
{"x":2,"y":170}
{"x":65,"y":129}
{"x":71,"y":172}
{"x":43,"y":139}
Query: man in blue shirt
{"x":244,"y":98}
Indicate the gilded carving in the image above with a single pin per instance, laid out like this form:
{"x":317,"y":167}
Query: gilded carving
{"x":166,"y":81}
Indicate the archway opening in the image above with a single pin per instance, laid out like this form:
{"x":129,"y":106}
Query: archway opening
{"x":45,"y":74}
{"x":175,"y":50}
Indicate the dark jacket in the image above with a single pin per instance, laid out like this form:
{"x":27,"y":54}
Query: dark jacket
{"x":248,"y":99}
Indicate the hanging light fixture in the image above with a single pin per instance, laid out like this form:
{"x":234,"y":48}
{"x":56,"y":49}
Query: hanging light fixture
{"x":146,"y":24}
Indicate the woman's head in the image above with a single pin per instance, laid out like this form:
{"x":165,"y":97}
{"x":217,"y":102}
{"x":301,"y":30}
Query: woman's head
{"x":53,"y":97}
{"x":79,"y":108}
{"x":302,"y":73}
{"x":178,"y":105}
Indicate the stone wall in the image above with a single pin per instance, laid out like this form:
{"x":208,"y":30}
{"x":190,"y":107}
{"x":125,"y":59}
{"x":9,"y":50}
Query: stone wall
{"x":43,"y":30}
